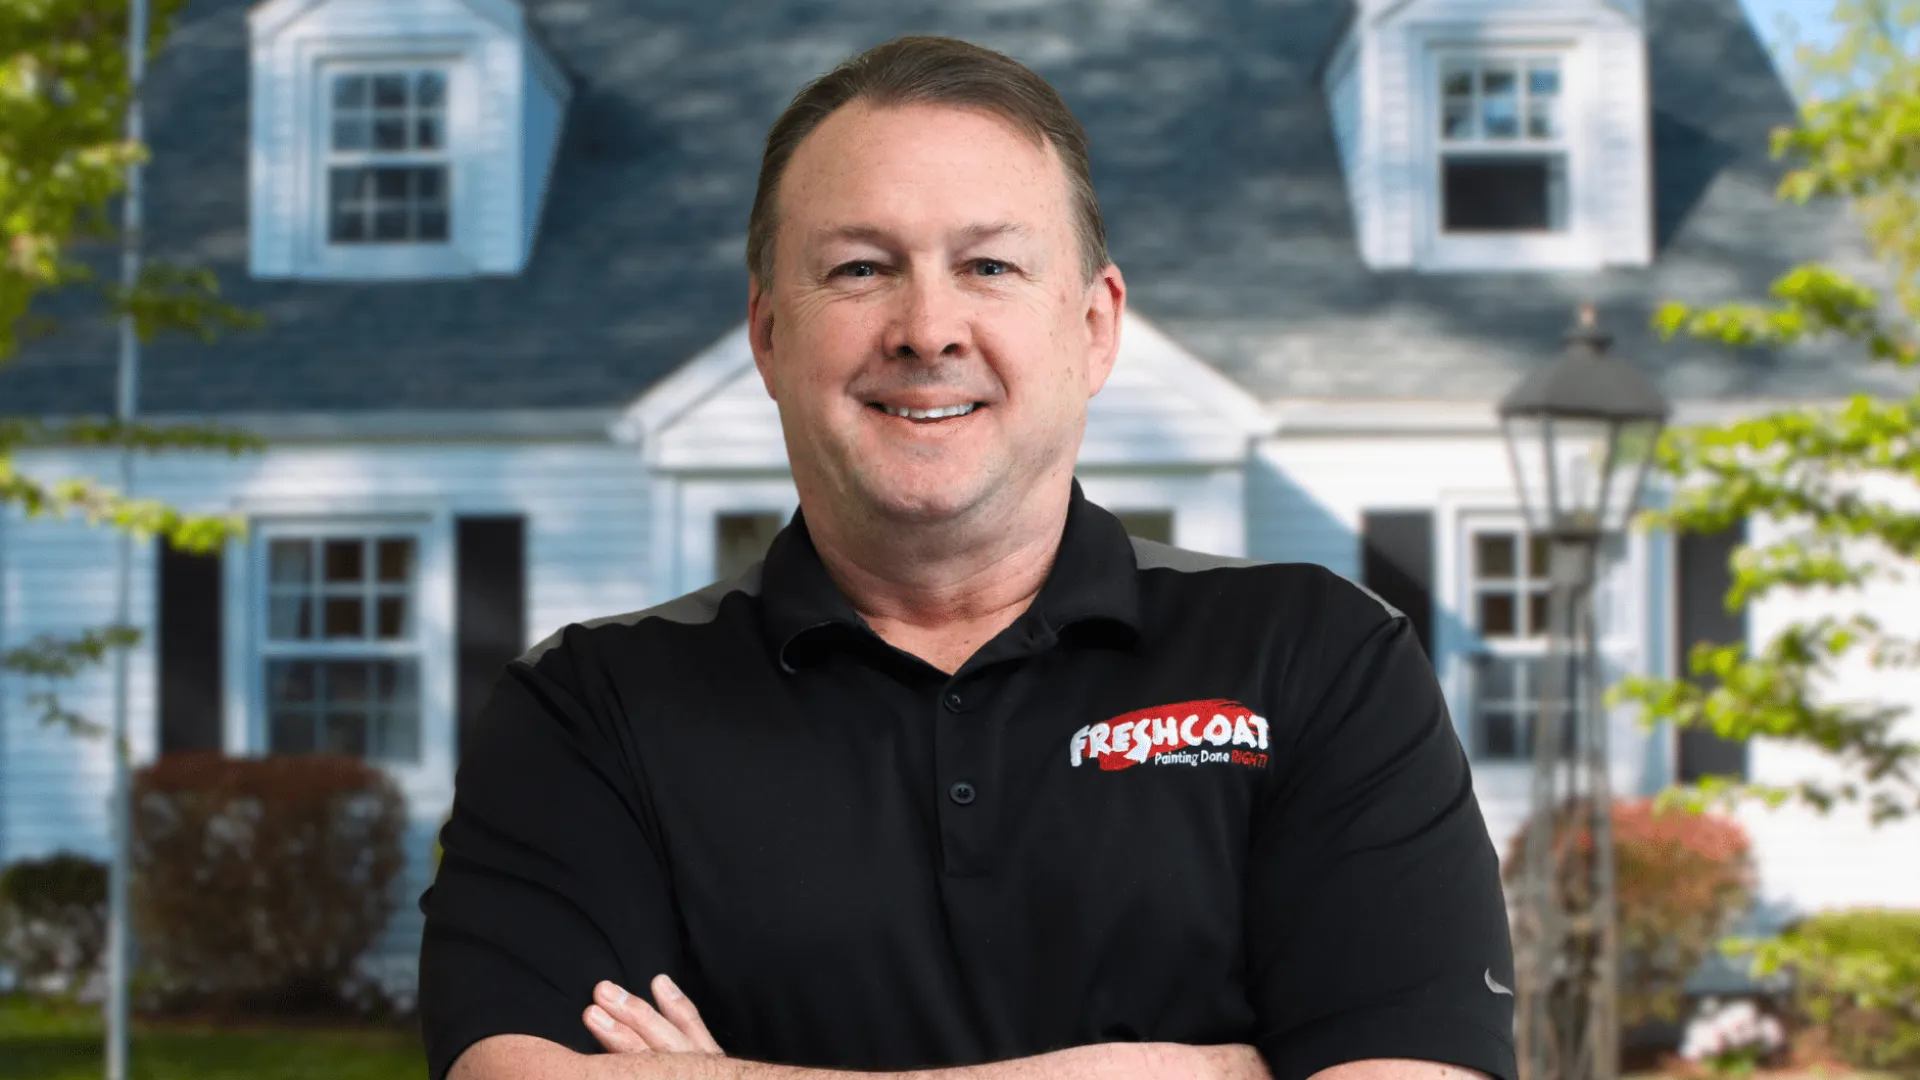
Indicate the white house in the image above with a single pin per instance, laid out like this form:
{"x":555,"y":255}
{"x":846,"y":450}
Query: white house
{"x":499,"y":247}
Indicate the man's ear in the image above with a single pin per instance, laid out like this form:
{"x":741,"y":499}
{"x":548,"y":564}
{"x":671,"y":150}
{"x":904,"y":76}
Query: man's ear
{"x":1106,"y":309}
{"x":760,"y":331}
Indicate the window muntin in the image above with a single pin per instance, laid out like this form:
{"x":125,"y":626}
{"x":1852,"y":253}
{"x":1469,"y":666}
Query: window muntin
{"x":340,"y":651}
{"x":1502,"y":145}
{"x":387,"y":163}
{"x":1507,"y":600}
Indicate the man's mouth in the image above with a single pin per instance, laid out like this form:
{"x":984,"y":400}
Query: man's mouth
{"x":944,"y":412}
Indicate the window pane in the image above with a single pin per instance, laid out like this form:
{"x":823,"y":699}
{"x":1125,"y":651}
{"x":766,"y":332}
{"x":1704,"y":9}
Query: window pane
{"x":1493,"y":555}
{"x":345,"y":617}
{"x":345,"y":732}
{"x":390,"y":133}
{"x":1538,"y":554}
{"x":348,"y":684}
{"x":391,"y":186}
{"x":390,"y":618}
{"x":345,"y":561}
{"x":346,"y":218}
{"x":1496,"y":615}
{"x":289,"y":562}
{"x":1155,"y":525}
{"x":290,"y":682}
{"x":431,"y":90}
{"x":1505,"y":194}
{"x":396,"y":737}
{"x":290,"y":731}
{"x":1537,"y":617}
{"x":1543,"y":80}
{"x":1499,"y":735}
{"x":1456,"y":120}
{"x":740,"y":540}
{"x":1496,"y":682}
{"x":1543,"y":120}
{"x":1499,"y":103}
{"x":395,"y":559}
{"x":390,"y":224}
{"x":433,"y":225}
{"x":429,"y":184}
{"x":350,"y":134}
{"x":349,"y":91}
{"x":289,"y":617}
{"x":427,"y":133}
{"x":390,"y":91}
{"x":1456,"y":80}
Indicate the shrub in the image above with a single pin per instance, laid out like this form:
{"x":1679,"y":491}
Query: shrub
{"x":53,"y":919}
{"x":1856,"y":979}
{"x":259,"y":882}
{"x":1680,"y":879}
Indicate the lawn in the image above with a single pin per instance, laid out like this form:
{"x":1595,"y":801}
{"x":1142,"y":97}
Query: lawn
{"x":43,"y":1041}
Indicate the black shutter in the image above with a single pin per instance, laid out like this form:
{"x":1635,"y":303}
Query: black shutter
{"x":490,"y":608}
{"x":1396,"y":561}
{"x":1704,"y":578}
{"x":188,"y":643}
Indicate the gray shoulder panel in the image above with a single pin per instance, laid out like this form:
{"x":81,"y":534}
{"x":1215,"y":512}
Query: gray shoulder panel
{"x":694,"y":609}
{"x":1152,"y":555}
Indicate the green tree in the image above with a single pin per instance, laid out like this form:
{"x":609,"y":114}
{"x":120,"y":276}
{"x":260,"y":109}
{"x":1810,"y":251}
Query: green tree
{"x":1839,"y":482}
{"x":65,"y":85}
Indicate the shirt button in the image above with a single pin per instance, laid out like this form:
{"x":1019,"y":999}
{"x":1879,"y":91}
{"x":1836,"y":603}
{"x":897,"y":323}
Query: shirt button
{"x":962,"y":792}
{"x":954,"y":701}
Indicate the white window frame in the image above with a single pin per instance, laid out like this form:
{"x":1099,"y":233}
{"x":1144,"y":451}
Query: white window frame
{"x":1521,"y":647}
{"x":1577,"y":247}
{"x":427,"y":782}
{"x":317,"y":257}
{"x":330,"y":157}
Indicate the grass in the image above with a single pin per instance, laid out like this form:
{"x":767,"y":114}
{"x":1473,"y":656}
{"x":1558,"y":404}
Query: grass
{"x":42,"y":1040}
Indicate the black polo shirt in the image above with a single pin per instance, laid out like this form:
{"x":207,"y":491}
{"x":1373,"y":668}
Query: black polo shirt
{"x":1181,"y":798}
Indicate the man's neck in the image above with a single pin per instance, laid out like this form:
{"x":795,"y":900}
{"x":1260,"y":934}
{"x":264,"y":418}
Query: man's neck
{"x":942,"y":591}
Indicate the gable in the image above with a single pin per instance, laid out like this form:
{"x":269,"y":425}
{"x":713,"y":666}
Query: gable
{"x":1161,"y":406}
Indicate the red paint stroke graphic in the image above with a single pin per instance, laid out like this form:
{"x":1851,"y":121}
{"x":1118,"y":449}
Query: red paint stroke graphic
{"x":1208,"y":731}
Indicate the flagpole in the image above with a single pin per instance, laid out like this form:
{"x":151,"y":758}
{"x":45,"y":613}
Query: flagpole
{"x":120,"y":809}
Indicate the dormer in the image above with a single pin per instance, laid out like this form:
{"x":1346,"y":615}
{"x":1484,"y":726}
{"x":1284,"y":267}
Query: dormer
{"x":1495,"y":135}
{"x":399,"y":139}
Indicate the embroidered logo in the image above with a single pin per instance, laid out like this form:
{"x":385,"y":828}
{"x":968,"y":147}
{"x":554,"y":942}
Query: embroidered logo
{"x":1208,"y":732}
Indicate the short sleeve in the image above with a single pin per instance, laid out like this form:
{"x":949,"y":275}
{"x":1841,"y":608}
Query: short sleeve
{"x":1376,"y":923}
{"x":550,"y":878}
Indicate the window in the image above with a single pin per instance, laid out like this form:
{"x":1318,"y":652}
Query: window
{"x":1503,"y":146}
{"x":340,"y":654}
{"x":740,"y":540}
{"x":1155,"y":525}
{"x":1507,"y":597}
{"x":387,"y":164}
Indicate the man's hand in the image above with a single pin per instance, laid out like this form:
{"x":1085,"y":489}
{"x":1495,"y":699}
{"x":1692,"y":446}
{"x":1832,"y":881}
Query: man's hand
{"x":625,"y":1023}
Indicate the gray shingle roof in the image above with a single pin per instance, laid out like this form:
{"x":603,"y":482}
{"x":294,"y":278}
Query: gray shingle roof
{"x":1212,"y":154}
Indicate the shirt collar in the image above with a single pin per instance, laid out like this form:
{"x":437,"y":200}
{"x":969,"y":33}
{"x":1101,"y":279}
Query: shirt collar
{"x":1091,"y":583}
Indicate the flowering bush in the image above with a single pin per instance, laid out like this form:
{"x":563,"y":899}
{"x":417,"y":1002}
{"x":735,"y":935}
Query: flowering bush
{"x":1732,"y":1039}
{"x":53,"y":919}
{"x":1681,"y":879}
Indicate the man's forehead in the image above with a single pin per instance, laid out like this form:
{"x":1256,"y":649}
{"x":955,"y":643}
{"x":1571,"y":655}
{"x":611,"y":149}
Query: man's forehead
{"x":961,"y":234}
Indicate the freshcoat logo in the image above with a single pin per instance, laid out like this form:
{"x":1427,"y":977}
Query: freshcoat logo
{"x":1189,"y":733}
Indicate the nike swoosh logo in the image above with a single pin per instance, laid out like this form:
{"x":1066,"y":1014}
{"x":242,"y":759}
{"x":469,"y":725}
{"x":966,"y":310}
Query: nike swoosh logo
{"x":1495,"y":986}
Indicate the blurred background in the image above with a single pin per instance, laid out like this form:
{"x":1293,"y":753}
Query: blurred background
{"x":429,"y":342}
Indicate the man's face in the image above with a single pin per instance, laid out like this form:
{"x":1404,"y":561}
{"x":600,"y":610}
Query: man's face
{"x":926,"y":262}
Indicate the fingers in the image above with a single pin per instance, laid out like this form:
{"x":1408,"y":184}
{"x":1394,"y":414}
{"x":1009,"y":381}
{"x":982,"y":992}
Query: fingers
{"x":678,"y":1008}
{"x":618,"y":1038}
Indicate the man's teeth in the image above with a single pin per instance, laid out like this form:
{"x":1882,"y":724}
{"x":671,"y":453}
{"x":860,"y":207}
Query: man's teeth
{"x":929,"y":414}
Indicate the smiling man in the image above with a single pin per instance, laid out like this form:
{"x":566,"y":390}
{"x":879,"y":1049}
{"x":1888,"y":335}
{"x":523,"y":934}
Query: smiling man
{"x":961,"y":777}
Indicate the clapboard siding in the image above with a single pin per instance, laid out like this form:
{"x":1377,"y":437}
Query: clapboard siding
{"x":587,"y":511}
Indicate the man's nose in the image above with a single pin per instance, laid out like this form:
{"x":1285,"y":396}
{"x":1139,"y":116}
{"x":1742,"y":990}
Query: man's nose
{"x":930,"y":319}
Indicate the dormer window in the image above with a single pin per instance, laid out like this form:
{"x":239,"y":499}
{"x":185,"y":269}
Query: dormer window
{"x":388,"y":167}
{"x":1502,"y":148}
{"x":1495,"y":138}
{"x":408,"y":139}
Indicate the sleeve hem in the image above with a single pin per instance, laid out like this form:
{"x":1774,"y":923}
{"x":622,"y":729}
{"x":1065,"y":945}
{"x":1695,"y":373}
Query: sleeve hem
{"x":1299,"y":1053}
{"x":451,"y":1042}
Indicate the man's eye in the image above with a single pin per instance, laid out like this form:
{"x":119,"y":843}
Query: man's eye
{"x":855,"y":269}
{"x":991,"y":267}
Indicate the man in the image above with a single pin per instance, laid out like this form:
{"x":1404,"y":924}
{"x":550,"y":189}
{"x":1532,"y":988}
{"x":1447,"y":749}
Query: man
{"x":960,"y":776}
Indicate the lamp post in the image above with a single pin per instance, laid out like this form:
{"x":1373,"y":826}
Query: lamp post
{"x":1580,"y":433}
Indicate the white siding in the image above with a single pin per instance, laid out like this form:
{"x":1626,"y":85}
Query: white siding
{"x":587,"y":509}
{"x":543,"y":112}
{"x":1624,"y":149}
{"x":1308,"y":495}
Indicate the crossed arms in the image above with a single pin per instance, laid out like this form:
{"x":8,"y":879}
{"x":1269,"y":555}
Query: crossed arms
{"x":672,"y":1043}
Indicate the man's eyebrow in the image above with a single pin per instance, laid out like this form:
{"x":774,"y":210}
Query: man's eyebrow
{"x":873,"y":234}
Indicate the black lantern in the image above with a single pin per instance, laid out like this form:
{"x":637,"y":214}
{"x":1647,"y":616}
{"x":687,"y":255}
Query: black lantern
{"x":1581,"y":433}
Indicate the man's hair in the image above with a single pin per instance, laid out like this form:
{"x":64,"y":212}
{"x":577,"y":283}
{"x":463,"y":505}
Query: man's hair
{"x":930,"y":70}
